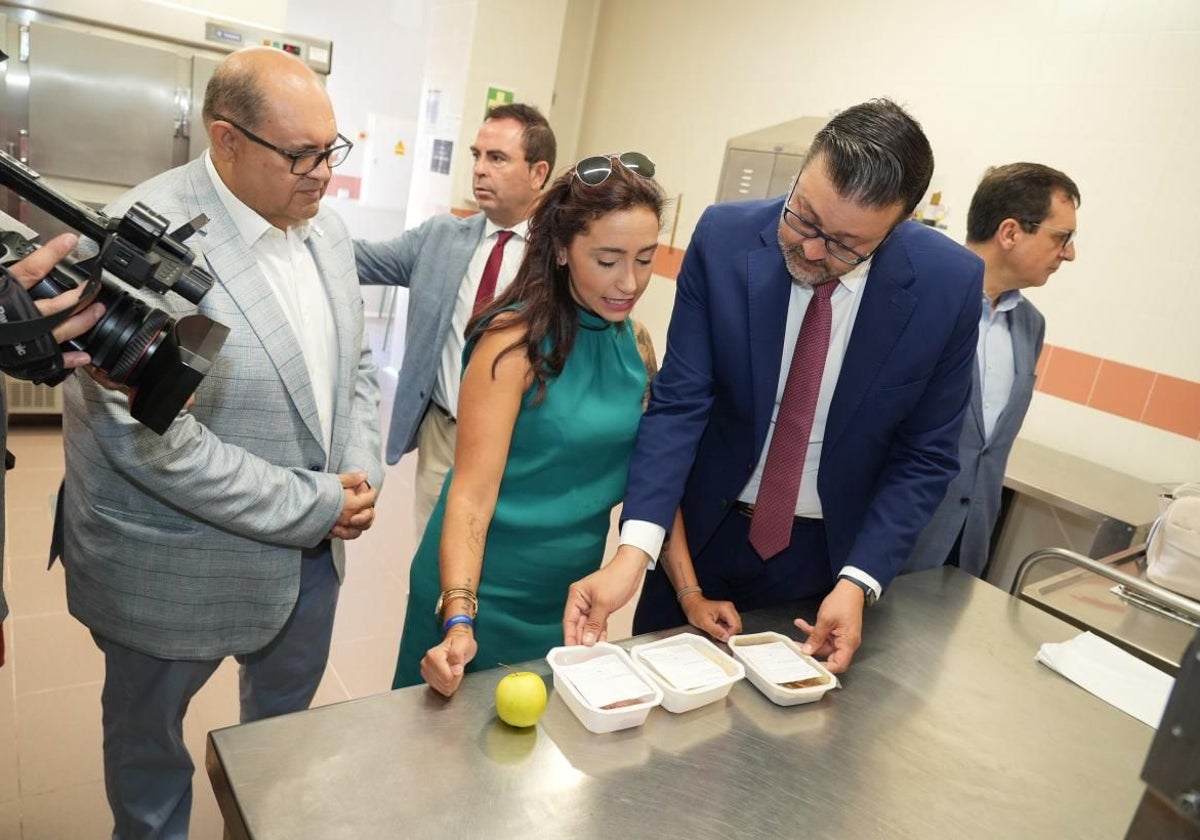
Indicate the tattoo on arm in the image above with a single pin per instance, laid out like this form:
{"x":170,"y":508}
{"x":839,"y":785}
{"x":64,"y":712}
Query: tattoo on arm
{"x":476,"y":535}
{"x":646,"y":350}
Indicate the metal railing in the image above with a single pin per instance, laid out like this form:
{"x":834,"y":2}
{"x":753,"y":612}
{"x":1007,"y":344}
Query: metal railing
{"x":1104,"y":568}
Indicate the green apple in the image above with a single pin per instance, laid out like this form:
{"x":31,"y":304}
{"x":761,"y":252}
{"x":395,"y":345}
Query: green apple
{"x":520,"y":698}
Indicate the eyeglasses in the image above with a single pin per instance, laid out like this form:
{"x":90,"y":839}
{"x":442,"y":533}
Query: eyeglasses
{"x":1067,"y":236}
{"x":837,"y":250}
{"x":595,"y":170}
{"x":303,"y":163}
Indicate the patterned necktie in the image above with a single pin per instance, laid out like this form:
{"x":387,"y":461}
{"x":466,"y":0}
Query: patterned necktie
{"x":775,"y":508}
{"x":491,"y":271}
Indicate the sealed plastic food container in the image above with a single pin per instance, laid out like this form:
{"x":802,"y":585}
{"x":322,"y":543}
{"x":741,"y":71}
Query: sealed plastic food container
{"x":777,"y":668}
{"x":691,"y":671}
{"x":602,"y":686}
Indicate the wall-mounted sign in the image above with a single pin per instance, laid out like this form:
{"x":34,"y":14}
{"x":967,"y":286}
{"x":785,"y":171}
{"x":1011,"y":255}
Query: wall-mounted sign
{"x":497,"y":96}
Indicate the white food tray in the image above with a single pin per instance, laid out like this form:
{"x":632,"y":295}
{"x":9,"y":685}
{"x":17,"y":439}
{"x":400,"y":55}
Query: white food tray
{"x":597,"y":719}
{"x":775,"y":692}
{"x":684,"y":700}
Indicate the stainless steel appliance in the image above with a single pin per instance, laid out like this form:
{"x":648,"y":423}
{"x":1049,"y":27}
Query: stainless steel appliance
{"x":763,"y":163}
{"x":99,"y":95}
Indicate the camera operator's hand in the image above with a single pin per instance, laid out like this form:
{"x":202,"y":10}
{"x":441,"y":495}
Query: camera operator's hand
{"x":358,"y":512}
{"x":106,"y":381}
{"x":36,"y":266}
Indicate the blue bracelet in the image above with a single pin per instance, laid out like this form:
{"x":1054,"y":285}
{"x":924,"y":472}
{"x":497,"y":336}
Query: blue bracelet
{"x":457,"y":619}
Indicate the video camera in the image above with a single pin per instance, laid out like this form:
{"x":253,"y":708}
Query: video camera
{"x":163,"y":359}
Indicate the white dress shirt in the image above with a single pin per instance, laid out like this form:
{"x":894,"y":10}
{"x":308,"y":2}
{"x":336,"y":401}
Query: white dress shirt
{"x":290,"y":270}
{"x":844,"y":304}
{"x":449,"y":378}
{"x":994,"y":353}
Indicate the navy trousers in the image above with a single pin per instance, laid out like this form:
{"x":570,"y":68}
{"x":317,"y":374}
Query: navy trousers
{"x":147,"y":768}
{"x":729,"y":569}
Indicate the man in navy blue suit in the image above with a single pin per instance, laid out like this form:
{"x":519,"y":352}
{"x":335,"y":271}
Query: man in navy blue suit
{"x":871,"y":459}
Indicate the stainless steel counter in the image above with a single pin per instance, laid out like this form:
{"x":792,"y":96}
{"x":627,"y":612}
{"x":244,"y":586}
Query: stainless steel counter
{"x":1056,"y":499}
{"x":1080,"y":486}
{"x":945,"y":728}
{"x":1088,"y":601}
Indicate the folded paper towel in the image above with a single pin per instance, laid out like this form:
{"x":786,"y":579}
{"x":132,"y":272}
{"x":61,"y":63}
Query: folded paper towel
{"x":1115,"y":676}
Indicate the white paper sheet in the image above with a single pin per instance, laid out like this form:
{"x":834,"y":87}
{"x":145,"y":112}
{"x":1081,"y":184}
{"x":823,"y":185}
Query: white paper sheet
{"x":604,"y":680}
{"x":1115,"y":676}
{"x":683,"y":666}
{"x":778,"y":662}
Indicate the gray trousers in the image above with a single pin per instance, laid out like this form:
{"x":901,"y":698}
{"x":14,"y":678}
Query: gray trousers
{"x":147,"y":768}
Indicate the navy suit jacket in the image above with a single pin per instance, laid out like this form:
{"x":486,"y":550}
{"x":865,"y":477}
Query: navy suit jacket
{"x":892,"y":433}
{"x":972,"y":503}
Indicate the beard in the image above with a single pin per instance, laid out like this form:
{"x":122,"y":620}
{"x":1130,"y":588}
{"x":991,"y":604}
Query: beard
{"x":804,"y":271}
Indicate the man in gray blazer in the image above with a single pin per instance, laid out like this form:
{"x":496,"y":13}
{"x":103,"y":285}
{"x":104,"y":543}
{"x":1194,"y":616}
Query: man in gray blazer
{"x":1022,"y":223}
{"x":224,"y":535}
{"x":443,"y":263}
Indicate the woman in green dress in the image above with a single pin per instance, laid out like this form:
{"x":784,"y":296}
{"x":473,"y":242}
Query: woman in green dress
{"x":552,"y":392}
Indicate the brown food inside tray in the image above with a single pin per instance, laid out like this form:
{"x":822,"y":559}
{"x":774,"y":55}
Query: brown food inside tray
{"x":620,"y":704}
{"x":808,"y":683}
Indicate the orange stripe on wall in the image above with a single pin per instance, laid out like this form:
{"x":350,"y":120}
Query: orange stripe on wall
{"x":1145,"y":396}
{"x":667,"y":261}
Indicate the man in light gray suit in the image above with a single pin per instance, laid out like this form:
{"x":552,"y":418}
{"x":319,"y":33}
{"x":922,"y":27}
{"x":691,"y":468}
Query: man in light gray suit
{"x":224,"y":535}
{"x":444,"y":263}
{"x":1022,"y":223}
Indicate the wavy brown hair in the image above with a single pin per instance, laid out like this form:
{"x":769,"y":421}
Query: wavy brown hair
{"x":540,"y":297}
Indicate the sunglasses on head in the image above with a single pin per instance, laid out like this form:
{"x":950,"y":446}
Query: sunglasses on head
{"x":595,"y":170}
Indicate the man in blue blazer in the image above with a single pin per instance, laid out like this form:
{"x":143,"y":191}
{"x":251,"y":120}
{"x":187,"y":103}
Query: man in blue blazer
{"x":442,"y":263}
{"x":1022,"y":224}
{"x":884,"y":429}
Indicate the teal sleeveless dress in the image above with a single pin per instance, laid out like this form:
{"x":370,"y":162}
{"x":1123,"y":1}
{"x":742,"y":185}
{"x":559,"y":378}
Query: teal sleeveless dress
{"x":565,"y":472}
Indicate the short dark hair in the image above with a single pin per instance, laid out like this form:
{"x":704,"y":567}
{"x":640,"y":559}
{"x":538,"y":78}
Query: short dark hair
{"x":541,"y":292}
{"x":234,"y":93}
{"x":537,"y":136}
{"x":876,"y":154}
{"x":1020,"y":191}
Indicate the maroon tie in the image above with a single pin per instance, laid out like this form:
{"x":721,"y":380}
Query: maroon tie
{"x":491,"y":271}
{"x":775,"y":508}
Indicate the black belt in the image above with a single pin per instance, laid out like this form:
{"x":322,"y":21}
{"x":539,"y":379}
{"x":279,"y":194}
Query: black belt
{"x":442,"y":411}
{"x":747,"y":509}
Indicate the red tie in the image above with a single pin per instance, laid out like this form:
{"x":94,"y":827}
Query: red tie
{"x":491,"y":271}
{"x":775,"y":508}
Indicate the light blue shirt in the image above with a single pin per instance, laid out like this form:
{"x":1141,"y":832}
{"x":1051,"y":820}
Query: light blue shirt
{"x":994,"y":355}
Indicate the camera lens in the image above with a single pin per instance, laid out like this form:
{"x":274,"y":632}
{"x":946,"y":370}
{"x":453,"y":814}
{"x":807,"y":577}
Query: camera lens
{"x":126,"y":337}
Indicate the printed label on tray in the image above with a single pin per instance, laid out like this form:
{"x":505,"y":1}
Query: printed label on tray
{"x":606,"y":681}
{"x":778,"y":662}
{"x":683,"y":666}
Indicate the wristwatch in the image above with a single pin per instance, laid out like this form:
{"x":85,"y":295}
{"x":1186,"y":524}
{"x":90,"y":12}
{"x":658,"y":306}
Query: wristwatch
{"x":868,"y":592}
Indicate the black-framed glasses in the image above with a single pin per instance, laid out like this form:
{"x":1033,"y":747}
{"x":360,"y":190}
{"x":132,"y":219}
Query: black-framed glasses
{"x":838,"y":250}
{"x":1067,"y":236}
{"x":595,"y":170}
{"x":302,"y":162}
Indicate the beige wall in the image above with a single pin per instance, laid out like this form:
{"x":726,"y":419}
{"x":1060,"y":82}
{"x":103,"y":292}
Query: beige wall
{"x":1109,"y":92}
{"x":570,"y":86}
{"x":271,"y":13}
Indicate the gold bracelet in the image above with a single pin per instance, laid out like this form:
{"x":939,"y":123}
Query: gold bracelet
{"x":454,"y":592}
{"x":687,"y":590}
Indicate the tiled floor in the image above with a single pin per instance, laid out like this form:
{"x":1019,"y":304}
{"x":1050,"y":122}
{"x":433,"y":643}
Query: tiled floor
{"x":51,"y":781}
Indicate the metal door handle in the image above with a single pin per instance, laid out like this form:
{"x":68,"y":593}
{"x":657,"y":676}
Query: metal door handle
{"x":183,"y":113}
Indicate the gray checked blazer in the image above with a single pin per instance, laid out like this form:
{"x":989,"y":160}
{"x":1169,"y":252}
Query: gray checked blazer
{"x":188,"y":545}
{"x":431,"y":262}
{"x":972,"y":501}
